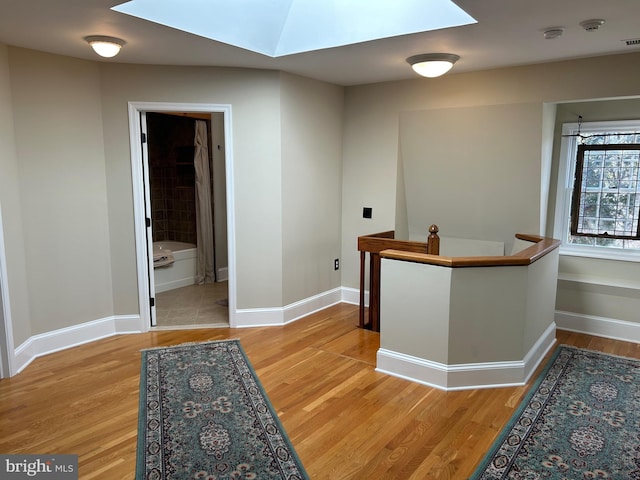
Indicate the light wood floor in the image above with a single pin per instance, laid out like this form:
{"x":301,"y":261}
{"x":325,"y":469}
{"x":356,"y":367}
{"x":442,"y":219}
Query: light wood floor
{"x":345,"y":420}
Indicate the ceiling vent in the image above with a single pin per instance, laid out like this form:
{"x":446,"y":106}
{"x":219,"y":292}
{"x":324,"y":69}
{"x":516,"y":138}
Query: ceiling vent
{"x":632,"y":41}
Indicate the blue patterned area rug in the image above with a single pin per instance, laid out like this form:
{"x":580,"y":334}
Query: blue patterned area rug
{"x":204,"y":415}
{"x":581,"y":420}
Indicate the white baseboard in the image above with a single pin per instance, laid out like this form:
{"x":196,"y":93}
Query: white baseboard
{"x":223,"y":274}
{"x":68,"y":337}
{"x":173,"y":284}
{"x":50,"y":342}
{"x":466,"y":376}
{"x":352,"y":295}
{"x":420,"y":370}
{"x":261,"y":317}
{"x":598,"y":326}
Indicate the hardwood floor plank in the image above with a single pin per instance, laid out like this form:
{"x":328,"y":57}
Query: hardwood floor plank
{"x":345,"y":420}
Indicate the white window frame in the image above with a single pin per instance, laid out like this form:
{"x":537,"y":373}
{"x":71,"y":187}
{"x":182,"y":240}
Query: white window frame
{"x":566,"y":174}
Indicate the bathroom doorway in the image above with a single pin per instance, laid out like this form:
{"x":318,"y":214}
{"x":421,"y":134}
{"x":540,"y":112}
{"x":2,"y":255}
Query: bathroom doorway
{"x":220,"y":144}
{"x":185,"y":160}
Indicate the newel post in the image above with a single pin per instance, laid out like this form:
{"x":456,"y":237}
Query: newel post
{"x":433,"y":240}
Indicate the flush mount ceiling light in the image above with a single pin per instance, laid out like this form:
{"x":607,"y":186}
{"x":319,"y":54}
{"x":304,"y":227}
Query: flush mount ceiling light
{"x":432,"y":64}
{"x":105,"y":46}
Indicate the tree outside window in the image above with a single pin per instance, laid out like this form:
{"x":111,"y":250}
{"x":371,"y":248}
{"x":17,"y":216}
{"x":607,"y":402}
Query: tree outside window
{"x":598,"y":203}
{"x":606,"y":191}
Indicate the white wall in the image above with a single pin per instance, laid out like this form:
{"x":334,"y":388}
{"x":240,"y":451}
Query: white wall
{"x":455,"y":161}
{"x":60,"y":153}
{"x":67,"y":170}
{"x":311,"y":186}
{"x":70,"y":189}
{"x":466,"y":327}
{"x":255,"y":99}
{"x":372,"y":143}
{"x":67,"y":187}
{"x":287,"y":169}
{"x":12,"y":210}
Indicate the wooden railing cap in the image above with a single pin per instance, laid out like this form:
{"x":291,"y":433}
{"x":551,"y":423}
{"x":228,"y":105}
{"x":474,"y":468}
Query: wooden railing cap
{"x":539,"y":249}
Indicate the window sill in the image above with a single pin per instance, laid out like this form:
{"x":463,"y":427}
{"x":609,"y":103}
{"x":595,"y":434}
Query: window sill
{"x":599,"y":281}
{"x":600,"y":252}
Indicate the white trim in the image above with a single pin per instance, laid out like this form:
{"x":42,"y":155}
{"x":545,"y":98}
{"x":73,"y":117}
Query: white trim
{"x":446,"y":377}
{"x":135,"y":108}
{"x":620,"y":287}
{"x":466,"y":376}
{"x":598,"y":326}
{"x":605,"y":253}
{"x":50,"y":342}
{"x":198,"y":326}
{"x":223,"y":274}
{"x":278,"y":316}
{"x":7,"y":354}
{"x":564,"y":189}
{"x":181,"y":282}
{"x":352,"y":295}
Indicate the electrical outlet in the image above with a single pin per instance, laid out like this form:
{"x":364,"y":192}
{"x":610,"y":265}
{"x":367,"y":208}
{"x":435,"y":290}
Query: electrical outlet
{"x":336,"y":264}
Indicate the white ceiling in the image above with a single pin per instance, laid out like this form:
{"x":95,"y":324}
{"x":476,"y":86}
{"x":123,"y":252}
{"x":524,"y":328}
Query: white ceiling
{"x":507,"y":33}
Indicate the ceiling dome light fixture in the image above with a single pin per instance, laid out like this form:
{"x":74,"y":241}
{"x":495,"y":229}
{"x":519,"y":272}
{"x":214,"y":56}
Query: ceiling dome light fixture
{"x":105,"y":46}
{"x":432,"y":64}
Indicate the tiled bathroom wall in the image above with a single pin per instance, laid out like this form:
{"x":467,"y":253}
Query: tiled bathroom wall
{"x":172,"y":177}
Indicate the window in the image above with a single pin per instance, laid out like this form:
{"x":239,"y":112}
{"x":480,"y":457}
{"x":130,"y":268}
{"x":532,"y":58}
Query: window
{"x":598,"y":201}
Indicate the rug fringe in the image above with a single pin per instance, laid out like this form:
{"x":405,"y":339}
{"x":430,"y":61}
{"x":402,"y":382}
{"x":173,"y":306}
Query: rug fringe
{"x":186,"y":344}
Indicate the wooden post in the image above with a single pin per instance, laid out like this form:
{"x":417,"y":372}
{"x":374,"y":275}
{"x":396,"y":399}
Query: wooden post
{"x":361,"y":312}
{"x":433,"y":240}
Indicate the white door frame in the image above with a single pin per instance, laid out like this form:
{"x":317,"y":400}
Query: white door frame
{"x":7,"y":350}
{"x":137,"y":176}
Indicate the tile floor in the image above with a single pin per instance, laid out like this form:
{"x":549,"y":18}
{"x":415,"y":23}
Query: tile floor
{"x":193,"y":305}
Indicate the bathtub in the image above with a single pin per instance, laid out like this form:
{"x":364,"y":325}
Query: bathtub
{"x":181,"y":272}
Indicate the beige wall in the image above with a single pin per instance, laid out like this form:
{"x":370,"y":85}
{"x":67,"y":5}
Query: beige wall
{"x":70,"y":185}
{"x":58,"y":133}
{"x":255,"y":99}
{"x":466,"y":327}
{"x":466,"y":315}
{"x":372,"y":141}
{"x":311,"y":186}
{"x":455,"y":161}
{"x":12,"y":210}
{"x":69,"y":189}
{"x":415,"y":308}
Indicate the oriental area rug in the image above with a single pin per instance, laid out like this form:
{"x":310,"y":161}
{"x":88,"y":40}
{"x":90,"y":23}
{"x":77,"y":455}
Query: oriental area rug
{"x":581,"y":420}
{"x":204,"y":415}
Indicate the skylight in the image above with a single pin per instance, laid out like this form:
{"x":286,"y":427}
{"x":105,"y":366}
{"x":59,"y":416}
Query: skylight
{"x":284,"y":27}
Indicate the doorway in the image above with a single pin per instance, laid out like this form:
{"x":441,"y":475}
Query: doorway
{"x":143,"y":208}
{"x":185,"y":161}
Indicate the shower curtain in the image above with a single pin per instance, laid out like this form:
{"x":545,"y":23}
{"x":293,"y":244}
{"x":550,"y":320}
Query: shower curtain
{"x":204,"y":217}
